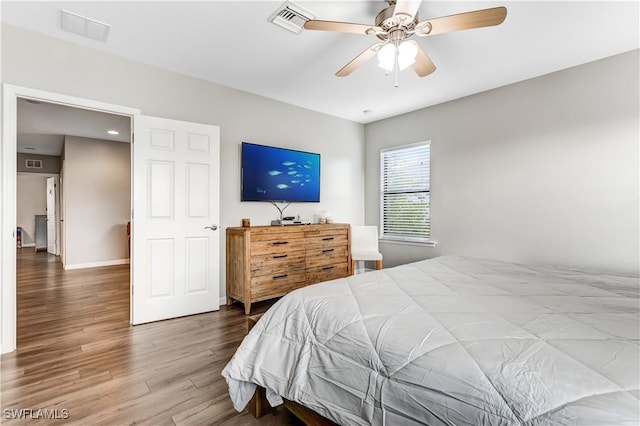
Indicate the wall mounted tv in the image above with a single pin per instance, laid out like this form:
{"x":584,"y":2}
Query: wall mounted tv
{"x":278,"y":174}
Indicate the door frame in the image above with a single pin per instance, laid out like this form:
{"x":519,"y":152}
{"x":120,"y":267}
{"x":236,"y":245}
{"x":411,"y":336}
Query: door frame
{"x":10,"y":95}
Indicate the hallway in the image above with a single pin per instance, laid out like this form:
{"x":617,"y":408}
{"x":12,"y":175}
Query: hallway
{"x":54,"y":304}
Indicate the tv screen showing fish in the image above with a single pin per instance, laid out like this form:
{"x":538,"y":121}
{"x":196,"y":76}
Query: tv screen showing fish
{"x":278,"y":174}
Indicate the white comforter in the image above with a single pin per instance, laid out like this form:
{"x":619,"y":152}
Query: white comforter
{"x":455,"y":341}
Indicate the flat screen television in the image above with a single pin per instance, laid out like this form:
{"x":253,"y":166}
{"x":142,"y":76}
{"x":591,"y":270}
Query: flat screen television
{"x":279,"y":175}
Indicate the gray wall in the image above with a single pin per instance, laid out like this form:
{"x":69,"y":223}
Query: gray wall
{"x":31,"y":199}
{"x":33,"y":60}
{"x":542,"y":171}
{"x":97,"y":201}
{"x":50,"y":163}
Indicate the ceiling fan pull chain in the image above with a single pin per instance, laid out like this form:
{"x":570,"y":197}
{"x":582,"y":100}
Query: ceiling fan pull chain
{"x":396,"y":70}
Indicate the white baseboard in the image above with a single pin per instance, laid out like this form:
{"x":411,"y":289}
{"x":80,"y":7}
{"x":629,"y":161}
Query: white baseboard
{"x":223,"y":300}
{"x":97,"y":264}
{"x":28,"y":245}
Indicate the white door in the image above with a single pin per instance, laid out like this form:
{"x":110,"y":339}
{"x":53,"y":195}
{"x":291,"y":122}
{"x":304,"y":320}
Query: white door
{"x":175,"y":241}
{"x":52,"y":215}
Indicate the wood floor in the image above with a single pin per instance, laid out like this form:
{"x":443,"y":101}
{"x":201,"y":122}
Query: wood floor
{"x":77,"y":352}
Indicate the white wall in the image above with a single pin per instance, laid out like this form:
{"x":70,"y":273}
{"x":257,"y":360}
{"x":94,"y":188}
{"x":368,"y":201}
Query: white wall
{"x":542,"y":171}
{"x":31,"y":200}
{"x":97,"y":197}
{"x":33,"y":60}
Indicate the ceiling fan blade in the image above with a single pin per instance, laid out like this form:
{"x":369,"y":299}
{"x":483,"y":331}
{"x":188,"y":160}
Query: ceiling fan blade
{"x":341,"y":27}
{"x":359,"y":60}
{"x":423,"y":65}
{"x":462,"y":21}
{"x":405,"y":10}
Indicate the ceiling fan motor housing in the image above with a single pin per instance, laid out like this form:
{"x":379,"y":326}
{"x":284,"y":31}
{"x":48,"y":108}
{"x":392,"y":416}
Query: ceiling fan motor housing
{"x":390,"y":25}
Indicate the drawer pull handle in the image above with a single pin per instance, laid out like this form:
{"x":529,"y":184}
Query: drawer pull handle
{"x":282,"y":256}
{"x":328,"y":250}
{"x":277,"y":277}
{"x":328,"y":238}
{"x":279,"y":243}
{"x":328,"y":268}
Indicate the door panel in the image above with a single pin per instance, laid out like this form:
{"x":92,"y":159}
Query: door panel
{"x":52,"y":215}
{"x":198,"y":192}
{"x":197,"y":271}
{"x":161,"y":189}
{"x":175,"y":258}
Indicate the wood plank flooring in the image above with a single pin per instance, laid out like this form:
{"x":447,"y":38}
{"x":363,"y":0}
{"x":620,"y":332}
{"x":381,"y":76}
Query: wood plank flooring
{"x":77,"y":352}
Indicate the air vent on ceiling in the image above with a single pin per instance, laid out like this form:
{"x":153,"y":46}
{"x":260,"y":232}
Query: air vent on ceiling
{"x":291,"y":17}
{"x":33,"y":164}
{"x":84,"y":26}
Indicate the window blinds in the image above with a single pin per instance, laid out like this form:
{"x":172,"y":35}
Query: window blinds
{"x":404,"y":192}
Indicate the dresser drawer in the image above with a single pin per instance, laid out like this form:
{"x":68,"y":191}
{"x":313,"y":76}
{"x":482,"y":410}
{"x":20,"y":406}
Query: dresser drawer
{"x":278,"y":263}
{"x":277,"y":246}
{"x":326,"y":239}
{"x":276,"y":233}
{"x":327,"y":256}
{"x":268,"y":286}
{"x":318,"y":274}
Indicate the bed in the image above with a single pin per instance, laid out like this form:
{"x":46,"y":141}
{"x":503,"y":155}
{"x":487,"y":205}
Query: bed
{"x":451,"y":341}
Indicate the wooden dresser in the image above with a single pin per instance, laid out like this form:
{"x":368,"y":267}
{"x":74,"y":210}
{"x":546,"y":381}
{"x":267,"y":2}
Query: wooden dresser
{"x":264,"y":262}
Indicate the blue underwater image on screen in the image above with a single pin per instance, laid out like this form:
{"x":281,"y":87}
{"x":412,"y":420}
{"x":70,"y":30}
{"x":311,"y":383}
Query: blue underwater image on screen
{"x":278,"y":174}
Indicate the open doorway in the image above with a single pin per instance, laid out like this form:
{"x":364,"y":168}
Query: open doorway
{"x":176,"y":170}
{"x":73,"y":193}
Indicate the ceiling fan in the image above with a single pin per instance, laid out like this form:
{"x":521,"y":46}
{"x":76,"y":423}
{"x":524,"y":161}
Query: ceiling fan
{"x":396,"y":24}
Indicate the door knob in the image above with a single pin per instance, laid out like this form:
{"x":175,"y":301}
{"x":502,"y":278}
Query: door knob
{"x":212,"y":227}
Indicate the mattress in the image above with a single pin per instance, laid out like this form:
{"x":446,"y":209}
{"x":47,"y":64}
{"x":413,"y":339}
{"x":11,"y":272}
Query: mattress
{"x":452,"y":341}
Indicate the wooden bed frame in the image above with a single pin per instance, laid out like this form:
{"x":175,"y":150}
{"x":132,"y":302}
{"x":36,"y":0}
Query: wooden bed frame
{"x":259,"y":406}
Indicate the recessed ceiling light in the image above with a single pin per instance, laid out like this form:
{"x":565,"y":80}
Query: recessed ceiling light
{"x":30,"y":148}
{"x":367,"y":111}
{"x":113,"y":132}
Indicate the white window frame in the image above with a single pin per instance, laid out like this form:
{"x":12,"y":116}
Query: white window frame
{"x":396,"y":238}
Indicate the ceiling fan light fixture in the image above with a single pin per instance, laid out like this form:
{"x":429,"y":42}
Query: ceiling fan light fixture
{"x":406,"y":54}
{"x":387,"y":57}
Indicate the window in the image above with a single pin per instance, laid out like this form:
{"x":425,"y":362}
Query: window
{"x":404,"y":193}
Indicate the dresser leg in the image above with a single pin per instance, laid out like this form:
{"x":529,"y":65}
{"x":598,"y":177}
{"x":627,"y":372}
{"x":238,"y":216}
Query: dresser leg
{"x":378,"y":264}
{"x":247,"y":308}
{"x":229,"y":301}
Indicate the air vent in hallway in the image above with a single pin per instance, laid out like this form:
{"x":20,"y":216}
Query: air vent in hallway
{"x":33,"y":164}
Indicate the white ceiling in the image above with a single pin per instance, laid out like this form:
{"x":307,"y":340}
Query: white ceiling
{"x":232,"y":44}
{"x":42,"y":126}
